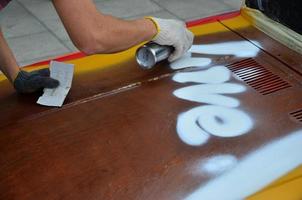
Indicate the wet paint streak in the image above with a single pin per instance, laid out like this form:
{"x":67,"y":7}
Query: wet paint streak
{"x":255,"y":171}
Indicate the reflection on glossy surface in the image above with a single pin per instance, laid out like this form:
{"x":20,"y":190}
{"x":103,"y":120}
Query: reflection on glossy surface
{"x":254,"y":171}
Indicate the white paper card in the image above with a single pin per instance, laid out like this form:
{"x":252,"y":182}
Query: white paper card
{"x":63,"y":73}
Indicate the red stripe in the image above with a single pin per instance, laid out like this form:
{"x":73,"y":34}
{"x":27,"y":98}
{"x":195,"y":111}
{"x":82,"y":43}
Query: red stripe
{"x":206,"y":20}
{"x":71,"y":56}
{"x":214,"y":18}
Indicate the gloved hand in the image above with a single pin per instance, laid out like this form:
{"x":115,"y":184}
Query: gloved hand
{"x":173,"y":33}
{"x":28,"y":82}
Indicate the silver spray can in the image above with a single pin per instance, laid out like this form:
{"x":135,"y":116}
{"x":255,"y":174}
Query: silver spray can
{"x":151,"y":53}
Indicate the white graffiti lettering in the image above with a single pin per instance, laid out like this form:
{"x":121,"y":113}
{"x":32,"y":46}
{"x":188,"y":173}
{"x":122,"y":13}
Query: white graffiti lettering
{"x":210,"y":93}
{"x":188,"y":61}
{"x":221,"y":117}
{"x":239,"y":49}
{"x":216,"y":74}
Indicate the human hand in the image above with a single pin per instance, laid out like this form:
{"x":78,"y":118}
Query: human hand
{"x":173,"y":33}
{"x":28,"y":82}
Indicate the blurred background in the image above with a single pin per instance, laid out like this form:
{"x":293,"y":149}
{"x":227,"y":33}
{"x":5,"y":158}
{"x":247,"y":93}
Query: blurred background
{"x":34,"y":31}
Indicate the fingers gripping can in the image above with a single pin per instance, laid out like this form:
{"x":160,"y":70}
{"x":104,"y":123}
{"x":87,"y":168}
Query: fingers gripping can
{"x":151,"y":53}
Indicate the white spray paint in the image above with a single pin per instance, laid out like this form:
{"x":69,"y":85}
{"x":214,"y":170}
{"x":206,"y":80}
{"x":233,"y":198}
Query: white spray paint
{"x":238,"y":49}
{"x":193,"y":125}
{"x":210,"y":93}
{"x":220,"y":118}
{"x":217,"y":165}
{"x":216,"y":74}
{"x":255,"y":171}
{"x":188,"y":130}
{"x":224,"y":122}
{"x":188,"y":61}
{"x":238,"y":179}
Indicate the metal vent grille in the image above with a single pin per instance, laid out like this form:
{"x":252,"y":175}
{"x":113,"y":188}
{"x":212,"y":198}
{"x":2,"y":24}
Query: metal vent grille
{"x":258,"y":77}
{"x":296,"y":115}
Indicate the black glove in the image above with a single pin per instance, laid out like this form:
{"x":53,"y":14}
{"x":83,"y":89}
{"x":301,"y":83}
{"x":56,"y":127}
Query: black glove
{"x":28,"y":82}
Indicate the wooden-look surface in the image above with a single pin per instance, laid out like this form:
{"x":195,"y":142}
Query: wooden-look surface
{"x":103,"y":80}
{"x":116,"y":137}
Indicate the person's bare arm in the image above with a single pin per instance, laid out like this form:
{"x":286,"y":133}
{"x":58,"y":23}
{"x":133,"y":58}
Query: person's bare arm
{"x":8,"y":63}
{"x":93,"y":32}
{"x":23,"y":82}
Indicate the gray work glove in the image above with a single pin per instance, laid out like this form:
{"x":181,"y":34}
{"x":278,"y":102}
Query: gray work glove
{"x":28,"y":82}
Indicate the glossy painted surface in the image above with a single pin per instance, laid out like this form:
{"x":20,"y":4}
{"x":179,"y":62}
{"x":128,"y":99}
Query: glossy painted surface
{"x":92,"y":77}
{"x":117,"y":136}
{"x":288,"y":57}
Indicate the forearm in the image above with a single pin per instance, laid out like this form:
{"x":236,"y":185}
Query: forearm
{"x":118,"y":35}
{"x":8,"y":63}
{"x":94,"y":32}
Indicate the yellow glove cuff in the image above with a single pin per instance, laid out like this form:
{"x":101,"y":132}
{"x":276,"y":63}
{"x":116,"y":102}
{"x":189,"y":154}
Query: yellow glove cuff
{"x":156,"y":25}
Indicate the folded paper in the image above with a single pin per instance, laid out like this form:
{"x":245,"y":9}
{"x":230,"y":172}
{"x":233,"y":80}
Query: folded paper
{"x":63,"y":73}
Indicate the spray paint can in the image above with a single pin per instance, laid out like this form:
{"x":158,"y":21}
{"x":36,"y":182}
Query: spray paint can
{"x":151,"y":53}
